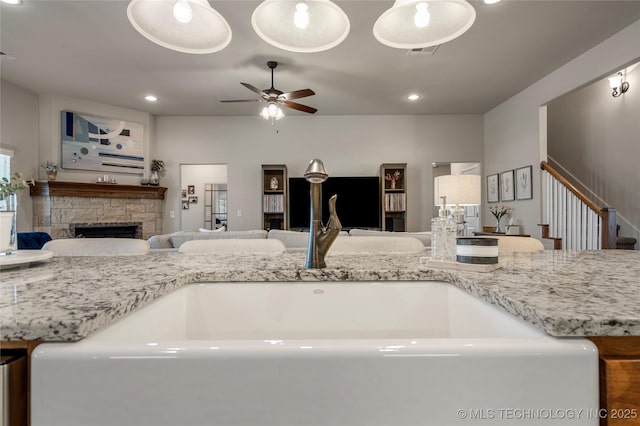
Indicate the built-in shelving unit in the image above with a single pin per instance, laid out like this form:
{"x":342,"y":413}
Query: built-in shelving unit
{"x":274,"y":196}
{"x":393,"y":196}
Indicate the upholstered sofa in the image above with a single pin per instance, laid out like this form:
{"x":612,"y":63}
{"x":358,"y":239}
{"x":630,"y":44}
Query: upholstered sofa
{"x":293,"y":240}
{"x":175,"y":240}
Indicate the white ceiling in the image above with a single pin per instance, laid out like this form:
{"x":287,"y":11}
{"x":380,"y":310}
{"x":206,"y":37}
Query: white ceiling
{"x":88,"y":50}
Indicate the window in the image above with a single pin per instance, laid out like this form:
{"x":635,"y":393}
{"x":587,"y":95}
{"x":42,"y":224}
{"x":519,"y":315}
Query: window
{"x":5,"y":163}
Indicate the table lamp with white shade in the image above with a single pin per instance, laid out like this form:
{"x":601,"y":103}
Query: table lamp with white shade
{"x":460,"y":191}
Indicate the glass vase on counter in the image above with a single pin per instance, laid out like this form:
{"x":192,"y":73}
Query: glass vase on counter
{"x":443,"y":235}
{"x":8,"y":236}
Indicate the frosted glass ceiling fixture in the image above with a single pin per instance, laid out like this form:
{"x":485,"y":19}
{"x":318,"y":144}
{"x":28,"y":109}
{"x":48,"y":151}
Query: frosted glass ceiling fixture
{"x":300,"y":26}
{"x":272,"y":112}
{"x":411,"y":24}
{"x":188,"y":26}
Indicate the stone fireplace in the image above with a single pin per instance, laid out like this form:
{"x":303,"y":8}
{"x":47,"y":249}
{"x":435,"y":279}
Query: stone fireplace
{"x":61,"y":208}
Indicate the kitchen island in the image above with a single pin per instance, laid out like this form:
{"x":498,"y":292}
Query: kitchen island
{"x":566,"y":294}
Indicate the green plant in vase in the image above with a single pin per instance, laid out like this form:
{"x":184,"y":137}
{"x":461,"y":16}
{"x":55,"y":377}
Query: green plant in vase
{"x":157,"y":169}
{"x":51,"y":168}
{"x":8,"y":211}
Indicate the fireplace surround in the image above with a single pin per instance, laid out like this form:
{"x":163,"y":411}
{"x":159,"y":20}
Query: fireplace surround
{"x":60,"y":208}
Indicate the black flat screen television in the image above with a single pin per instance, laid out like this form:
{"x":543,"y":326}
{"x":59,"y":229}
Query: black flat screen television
{"x":358,"y":203}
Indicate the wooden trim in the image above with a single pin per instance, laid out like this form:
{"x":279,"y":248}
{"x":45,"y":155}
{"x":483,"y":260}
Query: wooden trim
{"x":96,"y":190}
{"x":28,"y":346}
{"x":553,"y":172}
{"x":617,"y":345}
{"x":607,"y":214}
{"x":609,"y":233}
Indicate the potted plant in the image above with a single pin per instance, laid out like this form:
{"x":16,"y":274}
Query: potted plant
{"x":51,"y":168}
{"x":157,"y":170}
{"x":8,"y":209}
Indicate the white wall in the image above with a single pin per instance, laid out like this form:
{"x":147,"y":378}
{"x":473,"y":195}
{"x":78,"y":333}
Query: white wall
{"x":348,"y":146}
{"x":19,"y":133}
{"x":198,"y":175}
{"x":50,"y":139}
{"x":512,"y":136}
{"x":596,"y":138}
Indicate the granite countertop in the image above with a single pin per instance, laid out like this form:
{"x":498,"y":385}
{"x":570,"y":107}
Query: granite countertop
{"x":590,"y":293}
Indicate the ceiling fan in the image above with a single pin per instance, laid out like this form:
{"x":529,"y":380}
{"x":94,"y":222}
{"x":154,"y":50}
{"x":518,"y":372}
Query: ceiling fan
{"x":276,"y":98}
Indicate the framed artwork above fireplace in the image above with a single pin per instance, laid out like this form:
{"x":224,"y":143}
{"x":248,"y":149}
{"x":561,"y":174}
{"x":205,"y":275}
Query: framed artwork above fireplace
{"x":101,"y":144}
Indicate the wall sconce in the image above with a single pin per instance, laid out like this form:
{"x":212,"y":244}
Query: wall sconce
{"x":618,"y":85}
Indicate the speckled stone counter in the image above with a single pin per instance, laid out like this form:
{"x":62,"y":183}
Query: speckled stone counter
{"x":563,"y":293}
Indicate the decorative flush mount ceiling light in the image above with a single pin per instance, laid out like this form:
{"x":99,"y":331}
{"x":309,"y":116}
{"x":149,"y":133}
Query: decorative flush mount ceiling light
{"x":411,"y":24}
{"x":189,"y":26}
{"x":302,"y":26}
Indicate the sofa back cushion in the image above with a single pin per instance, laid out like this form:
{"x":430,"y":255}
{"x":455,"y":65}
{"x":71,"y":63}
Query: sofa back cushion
{"x":234,"y":246}
{"x":291,"y":239}
{"x":180,"y":237}
{"x":424,"y":237}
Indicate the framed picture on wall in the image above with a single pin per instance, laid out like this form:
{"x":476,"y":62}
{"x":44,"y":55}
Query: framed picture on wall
{"x":506,"y":186}
{"x":523,"y":183}
{"x":184,"y":193}
{"x":191,"y":189}
{"x":193,"y":199}
{"x":493,"y":188}
{"x":185,"y":205}
{"x":102,"y":144}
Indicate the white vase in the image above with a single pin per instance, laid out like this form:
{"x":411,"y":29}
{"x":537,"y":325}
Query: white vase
{"x":154,"y":179}
{"x":8,"y":235}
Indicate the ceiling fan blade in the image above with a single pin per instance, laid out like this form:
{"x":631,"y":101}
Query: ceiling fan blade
{"x":241,"y":100}
{"x":299,"y":107}
{"x":253,"y":88}
{"x":297,"y":94}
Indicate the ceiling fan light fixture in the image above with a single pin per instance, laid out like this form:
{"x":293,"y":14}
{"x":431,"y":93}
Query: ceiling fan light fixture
{"x":272,"y":111}
{"x":300,"y":26}
{"x":188,"y":26}
{"x":411,"y":24}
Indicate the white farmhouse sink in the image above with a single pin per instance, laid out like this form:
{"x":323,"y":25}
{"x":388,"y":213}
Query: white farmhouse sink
{"x":309,"y":354}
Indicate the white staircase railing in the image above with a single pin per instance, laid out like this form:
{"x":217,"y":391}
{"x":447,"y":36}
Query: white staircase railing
{"x":578,"y":221}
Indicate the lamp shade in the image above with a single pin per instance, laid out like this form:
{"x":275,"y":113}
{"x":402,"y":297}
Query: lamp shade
{"x":189,"y":26}
{"x":411,"y":24}
{"x":463,"y":190}
{"x":300,"y":25}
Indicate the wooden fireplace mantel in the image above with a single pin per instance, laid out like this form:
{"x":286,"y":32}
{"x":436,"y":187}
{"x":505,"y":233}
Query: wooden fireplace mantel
{"x":56,"y":188}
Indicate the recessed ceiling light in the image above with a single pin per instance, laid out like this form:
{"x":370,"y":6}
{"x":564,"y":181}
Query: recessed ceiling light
{"x":413,"y":97}
{"x":151,"y":98}
{"x":491,"y":1}
{"x":16,"y":2}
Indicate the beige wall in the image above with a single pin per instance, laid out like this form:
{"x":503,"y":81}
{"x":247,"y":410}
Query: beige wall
{"x":596,"y":138}
{"x":50,"y":147}
{"x":348,"y":146}
{"x":19,"y":133}
{"x":512,"y":131}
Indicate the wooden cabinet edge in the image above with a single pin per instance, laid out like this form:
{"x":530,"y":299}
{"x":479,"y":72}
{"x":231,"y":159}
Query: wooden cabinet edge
{"x":619,"y":363}
{"x":28,"y":346}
